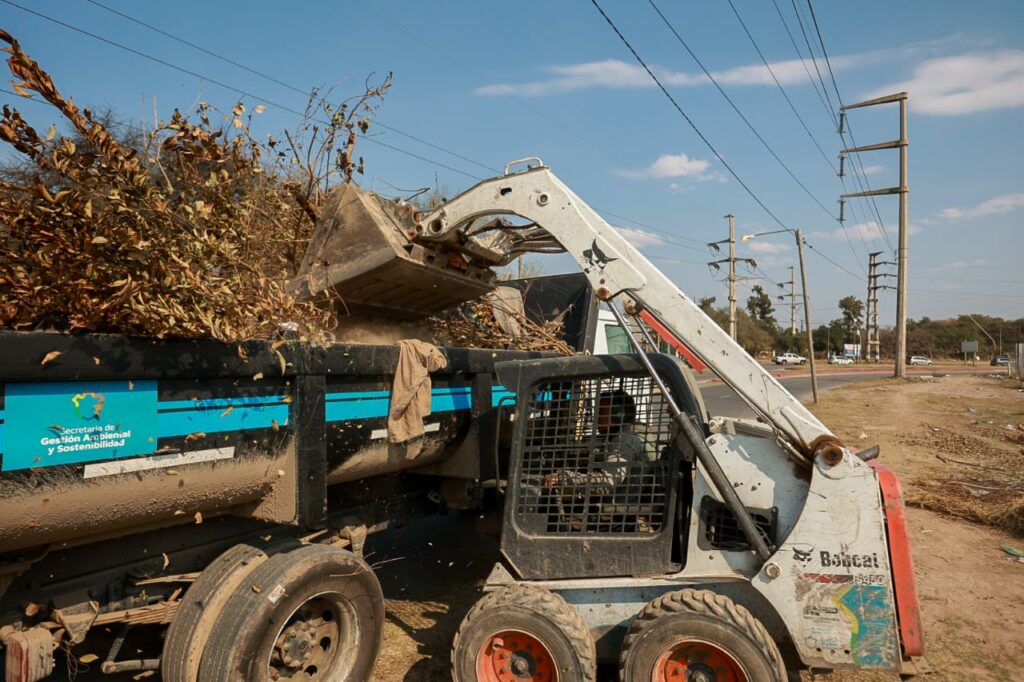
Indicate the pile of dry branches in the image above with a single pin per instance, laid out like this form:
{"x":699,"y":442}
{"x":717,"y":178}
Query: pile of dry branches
{"x":474,"y":325}
{"x":195,"y":234}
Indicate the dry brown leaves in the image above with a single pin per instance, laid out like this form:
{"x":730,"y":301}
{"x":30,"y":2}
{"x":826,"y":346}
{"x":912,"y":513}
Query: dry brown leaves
{"x":196,"y":236}
{"x":474,"y":326}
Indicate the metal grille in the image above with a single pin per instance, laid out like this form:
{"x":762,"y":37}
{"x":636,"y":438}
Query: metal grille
{"x":722,"y":530}
{"x":597,"y":458}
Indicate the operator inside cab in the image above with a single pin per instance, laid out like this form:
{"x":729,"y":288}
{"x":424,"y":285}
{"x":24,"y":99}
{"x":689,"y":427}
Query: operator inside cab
{"x":621,"y":441}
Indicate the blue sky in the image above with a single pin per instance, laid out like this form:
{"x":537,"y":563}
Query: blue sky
{"x":497,"y":81}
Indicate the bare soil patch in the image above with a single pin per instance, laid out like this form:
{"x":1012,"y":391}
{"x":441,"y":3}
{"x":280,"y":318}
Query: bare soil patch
{"x":962,"y":467}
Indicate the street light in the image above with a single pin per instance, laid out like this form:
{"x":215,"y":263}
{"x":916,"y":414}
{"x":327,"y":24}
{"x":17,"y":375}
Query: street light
{"x":807,"y":304}
{"x":748,"y":237}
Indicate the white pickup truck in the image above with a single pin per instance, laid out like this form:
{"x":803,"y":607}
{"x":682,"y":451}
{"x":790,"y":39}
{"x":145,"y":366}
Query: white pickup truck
{"x":789,"y":359}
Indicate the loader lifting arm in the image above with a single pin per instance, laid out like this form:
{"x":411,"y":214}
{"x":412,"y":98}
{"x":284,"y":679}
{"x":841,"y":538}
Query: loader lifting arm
{"x":615,"y":268}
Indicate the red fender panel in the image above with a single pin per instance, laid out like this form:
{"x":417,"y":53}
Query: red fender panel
{"x":907,"y":608}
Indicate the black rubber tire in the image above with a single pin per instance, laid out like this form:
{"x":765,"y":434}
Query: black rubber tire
{"x":244,"y":633}
{"x":542,"y":614}
{"x":188,"y":632}
{"x":703,"y":615}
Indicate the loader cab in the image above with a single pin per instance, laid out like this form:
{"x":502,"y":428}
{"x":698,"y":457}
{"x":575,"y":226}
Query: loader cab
{"x":599,"y":476}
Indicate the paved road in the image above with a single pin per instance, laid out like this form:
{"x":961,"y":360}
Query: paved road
{"x":723,"y":401}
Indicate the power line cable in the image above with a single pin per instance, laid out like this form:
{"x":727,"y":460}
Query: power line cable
{"x":857,"y":161}
{"x":202,"y":49}
{"x":377,"y":122}
{"x":701,"y":135}
{"x":300,"y":91}
{"x":771,"y":71}
{"x":526,"y":105}
{"x":682,"y":113}
{"x":814,"y":61}
{"x":829,"y":111}
{"x":737,"y":109}
{"x":480,"y":77}
{"x":246,"y":93}
{"x":799,"y":54}
{"x":800,"y":118}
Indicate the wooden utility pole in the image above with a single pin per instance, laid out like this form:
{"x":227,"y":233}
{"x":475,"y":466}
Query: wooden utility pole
{"x":902,"y":190}
{"x":807,"y":316}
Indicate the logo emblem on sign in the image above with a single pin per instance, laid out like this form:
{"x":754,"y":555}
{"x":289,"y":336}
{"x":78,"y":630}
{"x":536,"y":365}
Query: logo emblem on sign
{"x":81,"y":402}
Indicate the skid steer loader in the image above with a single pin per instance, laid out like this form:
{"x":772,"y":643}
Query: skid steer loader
{"x":638,"y":530}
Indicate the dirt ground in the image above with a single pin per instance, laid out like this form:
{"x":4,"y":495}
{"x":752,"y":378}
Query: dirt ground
{"x":972,"y":592}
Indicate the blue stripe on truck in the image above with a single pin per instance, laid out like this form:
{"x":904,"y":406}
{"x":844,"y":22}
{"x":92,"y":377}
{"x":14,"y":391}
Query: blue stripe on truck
{"x":375,"y":404}
{"x":176,"y":418}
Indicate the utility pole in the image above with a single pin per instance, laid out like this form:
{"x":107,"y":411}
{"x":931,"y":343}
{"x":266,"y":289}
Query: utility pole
{"x":732,"y":275}
{"x":902,"y":190}
{"x":807,"y":317}
{"x":792,"y":301}
{"x":873,"y":346}
{"x":731,"y":260}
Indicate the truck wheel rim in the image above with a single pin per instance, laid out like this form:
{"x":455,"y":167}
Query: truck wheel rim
{"x":515,"y":656}
{"x":693,"y":660}
{"x":314,"y":642}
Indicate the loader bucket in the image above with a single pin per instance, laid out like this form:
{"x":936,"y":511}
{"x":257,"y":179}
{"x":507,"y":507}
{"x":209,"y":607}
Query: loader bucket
{"x":360,"y":251}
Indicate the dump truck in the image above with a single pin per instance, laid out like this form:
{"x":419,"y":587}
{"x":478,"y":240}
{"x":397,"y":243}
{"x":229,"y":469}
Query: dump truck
{"x":638,"y":531}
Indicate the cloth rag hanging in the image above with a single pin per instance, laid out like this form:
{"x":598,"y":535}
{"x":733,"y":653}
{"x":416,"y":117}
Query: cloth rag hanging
{"x":410,"y":393}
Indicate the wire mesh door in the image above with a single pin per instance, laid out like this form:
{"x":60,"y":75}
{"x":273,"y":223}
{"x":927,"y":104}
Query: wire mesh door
{"x":597,"y":458}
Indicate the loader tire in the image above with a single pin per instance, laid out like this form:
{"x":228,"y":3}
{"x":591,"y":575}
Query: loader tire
{"x":189,"y":631}
{"x":314,"y":613}
{"x":531,"y":632}
{"x":698,"y":631}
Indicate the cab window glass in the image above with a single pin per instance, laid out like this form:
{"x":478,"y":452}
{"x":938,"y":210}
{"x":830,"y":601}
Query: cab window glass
{"x":617,"y":340}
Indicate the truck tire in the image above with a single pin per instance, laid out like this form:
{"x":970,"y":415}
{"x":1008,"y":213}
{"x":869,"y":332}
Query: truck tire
{"x":530,"y":633}
{"x":316,"y":612}
{"x":690,"y":631}
{"x":187,"y":635}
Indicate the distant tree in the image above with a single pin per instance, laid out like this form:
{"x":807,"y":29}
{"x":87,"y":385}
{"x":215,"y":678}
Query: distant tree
{"x":852,"y":310}
{"x":707,"y":303}
{"x":760,"y":308}
{"x":751,"y":333}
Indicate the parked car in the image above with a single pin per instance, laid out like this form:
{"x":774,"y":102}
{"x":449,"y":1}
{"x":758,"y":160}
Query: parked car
{"x":789,"y":359}
{"x":920,"y":360}
{"x":1000,"y":361}
{"x":840,"y":360}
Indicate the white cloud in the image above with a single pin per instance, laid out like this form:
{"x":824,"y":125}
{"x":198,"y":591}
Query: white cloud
{"x":610,"y":73}
{"x":871,"y":170}
{"x":639,"y":238}
{"x":677,"y":166}
{"x":617,"y":74}
{"x":863,"y":232}
{"x":673,"y":166}
{"x":768,"y":247}
{"x":976,"y":263}
{"x":964,"y":84}
{"x":1003,"y":203}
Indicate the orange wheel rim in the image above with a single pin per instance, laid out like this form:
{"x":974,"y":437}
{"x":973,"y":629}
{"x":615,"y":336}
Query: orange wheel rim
{"x":515,"y":656}
{"x":693,"y":660}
